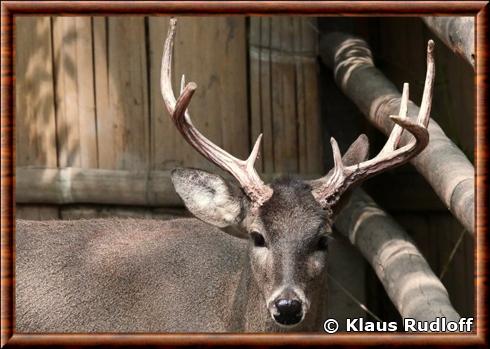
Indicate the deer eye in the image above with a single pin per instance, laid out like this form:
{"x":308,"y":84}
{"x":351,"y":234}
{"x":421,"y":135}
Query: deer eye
{"x":322,"y":243}
{"x":258,"y":239}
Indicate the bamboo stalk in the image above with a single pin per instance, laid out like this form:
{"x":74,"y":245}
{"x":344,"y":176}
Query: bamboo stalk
{"x":442,"y":163}
{"x":458,"y":33}
{"x":71,"y":185}
{"x":405,"y":274}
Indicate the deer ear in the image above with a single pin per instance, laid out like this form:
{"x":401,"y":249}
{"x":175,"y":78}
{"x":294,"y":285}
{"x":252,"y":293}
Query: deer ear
{"x":209,"y":197}
{"x":357,"y":152}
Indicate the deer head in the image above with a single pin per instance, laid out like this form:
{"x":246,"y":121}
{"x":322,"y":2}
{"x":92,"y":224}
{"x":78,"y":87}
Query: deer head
{"x":287,"y":221}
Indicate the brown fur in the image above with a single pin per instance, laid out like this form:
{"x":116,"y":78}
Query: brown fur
{"x":127,"y":275}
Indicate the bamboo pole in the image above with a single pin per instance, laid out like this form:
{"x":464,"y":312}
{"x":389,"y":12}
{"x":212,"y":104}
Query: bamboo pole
{"x":71,"y":185}
{"x":458,"y":33}
{"x":442,"y":163}
{"x":406,"y":276}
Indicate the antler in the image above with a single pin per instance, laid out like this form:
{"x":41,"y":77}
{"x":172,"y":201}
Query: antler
{"x":327,"y":190}
{"x":242,"y":170}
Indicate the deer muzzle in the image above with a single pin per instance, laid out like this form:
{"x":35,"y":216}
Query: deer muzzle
{"x":288,"y":306}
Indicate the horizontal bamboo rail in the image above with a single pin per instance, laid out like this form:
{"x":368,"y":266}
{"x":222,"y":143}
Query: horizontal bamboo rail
{"x":71,"y":185}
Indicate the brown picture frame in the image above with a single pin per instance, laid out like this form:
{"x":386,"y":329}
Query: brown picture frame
{"x":10,"y":9}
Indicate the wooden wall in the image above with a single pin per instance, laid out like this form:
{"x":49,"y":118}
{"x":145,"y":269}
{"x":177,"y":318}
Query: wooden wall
{"x":88,"y":95}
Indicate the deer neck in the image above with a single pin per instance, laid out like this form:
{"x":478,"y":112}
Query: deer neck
{"x":248,"y":309}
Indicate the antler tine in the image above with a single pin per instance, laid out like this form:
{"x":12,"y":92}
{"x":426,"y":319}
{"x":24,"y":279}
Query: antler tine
{"x":397,"y":131}
{"x":426,"y":104}
{"x":242,"y":170}
{"x":342,"y":177}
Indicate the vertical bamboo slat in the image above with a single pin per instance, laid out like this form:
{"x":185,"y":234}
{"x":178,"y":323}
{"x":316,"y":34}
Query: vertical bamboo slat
{"x":212,"y":53}
{"x":254,"y":83}
{"x":34,"y":101}
{"x":34,"y":98}
{"x":74,"y":88}
{"x":283,"y":96}
{"x":121,"y":93}
{"x":283,"y":93}
{"x":312,"y":132}
{"x":106,"y":153}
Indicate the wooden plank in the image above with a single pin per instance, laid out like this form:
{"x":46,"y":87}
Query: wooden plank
{"x":74,"y":88}
{"x":211,"y":52}
{"x":300,"y":94}
{"x":254,"y":83}
{"x":86,"y":93}
{"x":36,"y":212}
{"x":65,"y":62}
{"x":105,"y":135}
{"x":165,"y":144}
{"x":231,"y":67}
{"x":283,"y":96}
{"x":123,"y":120}
{"x":34,"y":99}
{"x":265,"y":94}
{"x":72,"y":185}
{"x":313,"y":141}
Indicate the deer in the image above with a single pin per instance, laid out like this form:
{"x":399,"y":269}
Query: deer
{"x":252,"y":260}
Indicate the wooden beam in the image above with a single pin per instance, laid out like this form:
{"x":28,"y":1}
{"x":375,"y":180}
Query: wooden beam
{"x":71,"y":185}
{"x":442,"y":163}
{"x":405,"y":274}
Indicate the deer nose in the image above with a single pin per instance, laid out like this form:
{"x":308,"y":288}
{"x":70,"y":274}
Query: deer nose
{"x":289,"y":311}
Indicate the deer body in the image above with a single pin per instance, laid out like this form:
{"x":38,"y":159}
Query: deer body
{"x":127,"y":275}
{"x":189,"y":276}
